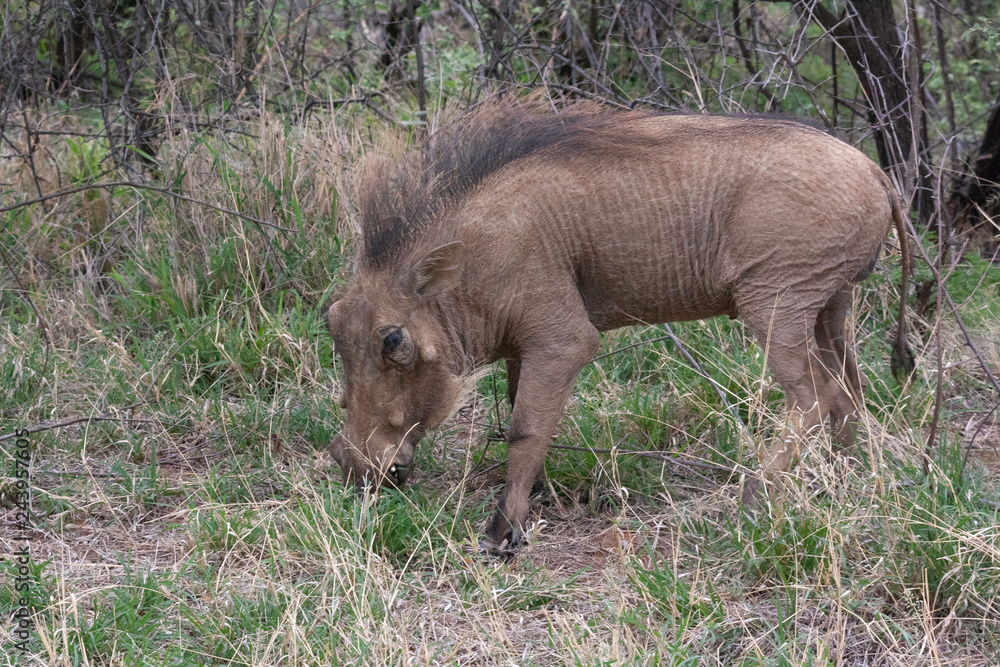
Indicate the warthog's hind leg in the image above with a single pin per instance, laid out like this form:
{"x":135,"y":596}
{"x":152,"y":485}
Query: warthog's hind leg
{"x":812,"y":392}
{"x":839,"y":359}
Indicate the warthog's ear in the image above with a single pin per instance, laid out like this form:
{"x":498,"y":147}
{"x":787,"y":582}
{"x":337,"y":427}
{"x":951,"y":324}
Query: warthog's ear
{"x":439,"y":271}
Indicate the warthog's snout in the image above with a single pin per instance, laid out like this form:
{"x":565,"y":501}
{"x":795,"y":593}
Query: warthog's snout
{"x":391,"y":469}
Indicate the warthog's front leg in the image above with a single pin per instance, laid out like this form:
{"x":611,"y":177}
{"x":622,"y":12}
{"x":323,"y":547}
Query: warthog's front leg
{"x":546,"y":381}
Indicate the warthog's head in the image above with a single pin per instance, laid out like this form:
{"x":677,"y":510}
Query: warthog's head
{"x":399,"y":374}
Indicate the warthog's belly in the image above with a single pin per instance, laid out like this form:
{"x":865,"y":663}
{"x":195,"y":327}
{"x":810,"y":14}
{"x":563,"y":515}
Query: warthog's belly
{"x":650,"y":296}
{"x":650,"y":256}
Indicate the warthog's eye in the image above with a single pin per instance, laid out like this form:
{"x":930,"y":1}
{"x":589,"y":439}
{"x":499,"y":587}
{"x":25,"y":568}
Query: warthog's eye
{"x":398,"y":350}
{"x":392,"y":341}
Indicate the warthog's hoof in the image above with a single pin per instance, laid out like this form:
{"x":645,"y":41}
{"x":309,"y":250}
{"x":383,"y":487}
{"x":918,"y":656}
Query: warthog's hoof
{"x":504,"y":551}
{"x":501,"y":530}
{"x":502,"y":538}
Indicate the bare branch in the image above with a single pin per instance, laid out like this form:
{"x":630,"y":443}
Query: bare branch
{"x":143,"y":186}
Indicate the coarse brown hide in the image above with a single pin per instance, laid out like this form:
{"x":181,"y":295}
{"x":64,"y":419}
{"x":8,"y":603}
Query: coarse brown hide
{"x":519,"y":235}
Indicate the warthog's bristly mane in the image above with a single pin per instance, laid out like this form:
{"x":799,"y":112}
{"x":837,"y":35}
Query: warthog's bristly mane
{"x":397,"y":197}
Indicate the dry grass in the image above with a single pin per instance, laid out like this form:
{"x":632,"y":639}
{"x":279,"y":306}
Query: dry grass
{"x":206,"y":524}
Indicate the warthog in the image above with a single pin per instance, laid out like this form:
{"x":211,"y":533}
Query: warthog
{"x":520,"y":235}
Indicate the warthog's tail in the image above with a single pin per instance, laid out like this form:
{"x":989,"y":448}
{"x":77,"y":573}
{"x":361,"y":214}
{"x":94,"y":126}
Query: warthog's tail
{"x":902,"y":358}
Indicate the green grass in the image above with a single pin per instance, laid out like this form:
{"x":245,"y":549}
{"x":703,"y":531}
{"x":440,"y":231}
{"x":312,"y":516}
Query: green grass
{"x":202,"y":521}
{"x":225,"y":536}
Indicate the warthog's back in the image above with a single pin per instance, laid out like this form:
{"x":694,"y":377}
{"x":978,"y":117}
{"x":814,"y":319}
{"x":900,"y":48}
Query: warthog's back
{"x":668,"y":218}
